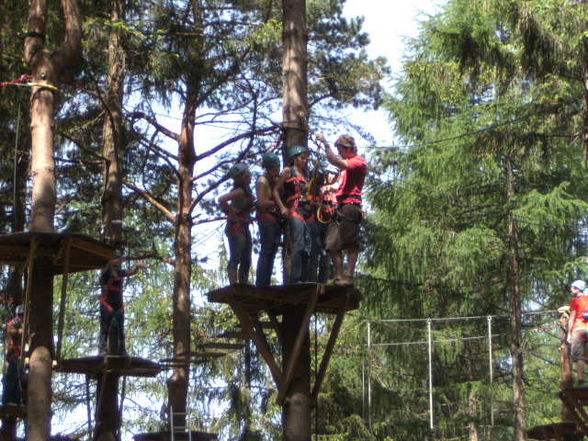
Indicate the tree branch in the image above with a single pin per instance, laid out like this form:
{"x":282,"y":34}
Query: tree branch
{"x":150,"y":198}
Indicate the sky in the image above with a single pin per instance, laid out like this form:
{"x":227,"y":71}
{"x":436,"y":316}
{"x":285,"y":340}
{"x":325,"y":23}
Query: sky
{"x":388,"y":28}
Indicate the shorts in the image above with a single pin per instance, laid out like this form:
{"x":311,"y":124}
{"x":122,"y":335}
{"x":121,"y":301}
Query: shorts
{"x":344,"y":232}
{"x":580,"y":344}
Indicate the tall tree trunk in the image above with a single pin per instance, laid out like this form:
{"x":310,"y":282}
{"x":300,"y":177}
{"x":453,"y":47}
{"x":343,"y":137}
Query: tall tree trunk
{"x":113,"y":136}
{"x":585,"y":84}
{"x":473,"y":428}
{"x":46,"y":67}
{"x":108,"y":416}
{"x":297,"y":404}
{"x":294,"y":73}
{"x":514,"y":287}
{"x":179,"y":381}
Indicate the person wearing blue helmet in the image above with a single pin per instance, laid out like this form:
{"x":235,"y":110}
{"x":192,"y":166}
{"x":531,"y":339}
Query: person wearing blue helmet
{"x":268,"y":221}
{"x":578,"y":328}
{"x":237,"y":205}
{"x":290,"y":194}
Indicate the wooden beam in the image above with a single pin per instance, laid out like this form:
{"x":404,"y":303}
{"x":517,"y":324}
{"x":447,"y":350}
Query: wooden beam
{"x":14,"y":250}
{"x":570,"y":404}
{"x":327,"y":354}
{"x":98,"y":249}
{"x":26,"y":301}
{"x":261,"y":343}
{"x":62,"y":302}
{"x":295,"y":355}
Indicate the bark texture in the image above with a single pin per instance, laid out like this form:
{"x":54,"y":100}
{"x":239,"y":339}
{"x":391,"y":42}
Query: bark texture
{"x":178,"y":383}
{"x":113,"y":131}
{"x":514,"y":287}
{"x":297,"y":404}
{"x":47,"y":68}
{"x":108,"y":414}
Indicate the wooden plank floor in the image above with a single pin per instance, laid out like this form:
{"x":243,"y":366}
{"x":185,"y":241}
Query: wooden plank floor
{"x":97,"y":365}
{"x":184,"y":436}
{"x":553,"y":431}
{"x":275,"y":298}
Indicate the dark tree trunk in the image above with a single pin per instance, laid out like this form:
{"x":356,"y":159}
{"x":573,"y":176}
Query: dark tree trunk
{"x":46,"y":67}
{"x":514,"y":287}
{"x":297,"y":405}
{"x":113,"y":135}
{"x":108,"y":416}
{"x":179,"y":381}
{"x":295,"y":111}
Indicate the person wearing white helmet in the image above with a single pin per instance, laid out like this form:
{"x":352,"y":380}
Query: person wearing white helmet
{"x":237,"y":205}
{"x":14,"y":376}
{"x":578,"y":328}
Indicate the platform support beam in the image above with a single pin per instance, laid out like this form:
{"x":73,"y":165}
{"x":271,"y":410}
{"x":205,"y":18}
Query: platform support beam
{"x":301,"y":337}
{"x":296,"y":406}
{"x":256,"y":333}
{"x":327,"y":355}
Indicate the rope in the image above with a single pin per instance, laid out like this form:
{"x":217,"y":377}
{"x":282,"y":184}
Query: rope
{"x":474,"y":317}
{"x":26,"y":81}
{"x":20,"y":80}
{"x":14,"y":173}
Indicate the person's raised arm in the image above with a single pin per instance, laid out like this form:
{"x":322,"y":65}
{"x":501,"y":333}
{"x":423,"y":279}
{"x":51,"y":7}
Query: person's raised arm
{"x":338,"y":162}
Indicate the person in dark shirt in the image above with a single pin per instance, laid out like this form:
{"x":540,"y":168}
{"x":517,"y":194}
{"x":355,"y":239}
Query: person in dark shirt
{"x":112,"y":305}
{"x":14,"y":376}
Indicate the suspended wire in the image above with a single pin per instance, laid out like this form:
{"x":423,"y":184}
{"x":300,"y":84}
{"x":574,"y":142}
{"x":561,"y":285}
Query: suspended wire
{"x":474,"y":317}
{"x":551,"y":109}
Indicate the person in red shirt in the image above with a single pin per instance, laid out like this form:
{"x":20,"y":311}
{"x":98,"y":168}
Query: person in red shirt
{"x":343,"y":233}
{"x":578,"y":328}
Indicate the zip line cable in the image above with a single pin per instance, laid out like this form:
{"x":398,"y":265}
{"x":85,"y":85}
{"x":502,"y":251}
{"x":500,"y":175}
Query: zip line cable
{"x":552,"y":109}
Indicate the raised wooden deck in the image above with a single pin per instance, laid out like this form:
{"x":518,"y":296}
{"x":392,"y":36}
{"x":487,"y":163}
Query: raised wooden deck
{"x":83,"y":252}
{"x":248,"y":302}
{"x":181,"y":436}
{"x":254,"y":299}
{"x":555,"y":431}
{"x":13,"y":411}
{"x":98,"y":365}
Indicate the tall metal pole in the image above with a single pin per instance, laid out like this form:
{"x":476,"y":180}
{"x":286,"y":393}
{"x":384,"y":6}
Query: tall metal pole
{"x":430,"y":350}
{"x":369,"y":374}
{"x":490,"y":369}
{"x":363,"y":373}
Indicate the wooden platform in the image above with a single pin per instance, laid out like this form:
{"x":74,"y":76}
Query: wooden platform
{"x":554,"y":431}
{"x":166,"y":436}
{"x":98,"y":365}
{"x":255,"y":299}
{"x":85,"y":253}
{"x":13,"y":411}
{"x":248,"y":302}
